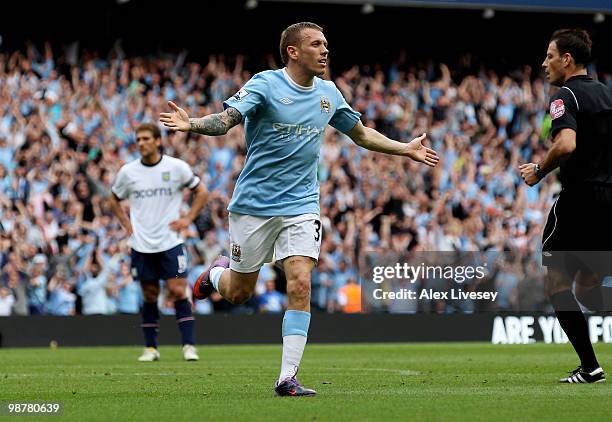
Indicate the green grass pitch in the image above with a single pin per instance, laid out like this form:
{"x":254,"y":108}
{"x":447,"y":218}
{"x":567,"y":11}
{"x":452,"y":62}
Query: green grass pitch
{"x":355,"y":382}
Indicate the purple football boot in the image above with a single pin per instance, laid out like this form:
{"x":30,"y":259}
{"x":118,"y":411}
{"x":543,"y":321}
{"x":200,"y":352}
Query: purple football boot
{"x":203,"y":287}
{"x":292,"y":387}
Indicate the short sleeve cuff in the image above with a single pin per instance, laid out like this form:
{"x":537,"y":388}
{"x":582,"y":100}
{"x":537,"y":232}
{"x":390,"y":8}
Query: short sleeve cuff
{"x":555,"y":129}
{"x":193,"y":182}
{"x":348,"y":124}
{"x":116,"y":193}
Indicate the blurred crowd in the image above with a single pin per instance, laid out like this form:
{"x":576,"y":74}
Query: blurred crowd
{"x":66,"y":127}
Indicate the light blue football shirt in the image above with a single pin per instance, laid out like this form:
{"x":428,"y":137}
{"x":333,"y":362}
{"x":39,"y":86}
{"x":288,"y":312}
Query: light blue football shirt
{"x":284,"y":125}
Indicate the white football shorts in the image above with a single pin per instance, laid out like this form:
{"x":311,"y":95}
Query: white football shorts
{"x":255,"y":241}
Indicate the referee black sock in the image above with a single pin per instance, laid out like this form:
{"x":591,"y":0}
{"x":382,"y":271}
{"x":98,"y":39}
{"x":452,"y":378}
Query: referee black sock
{"x":150,"y":326}
{"x":606,"y":294}
{"x":574,"y":324}
{"x":592,"y":299}
{"x":185,"y":320}
{"x":597,"y":299}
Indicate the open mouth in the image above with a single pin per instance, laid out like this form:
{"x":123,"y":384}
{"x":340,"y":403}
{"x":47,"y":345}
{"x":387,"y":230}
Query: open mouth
{"x":323,"y":62}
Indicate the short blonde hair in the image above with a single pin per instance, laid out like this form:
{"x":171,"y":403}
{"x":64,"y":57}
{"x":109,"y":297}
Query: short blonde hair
{"x":292,"y":36}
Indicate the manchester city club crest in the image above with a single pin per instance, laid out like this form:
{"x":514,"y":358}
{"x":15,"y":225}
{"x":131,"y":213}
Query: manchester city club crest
{"x":166,"y":176}
{"x":236,"y":254}
{"x":325,"y":105}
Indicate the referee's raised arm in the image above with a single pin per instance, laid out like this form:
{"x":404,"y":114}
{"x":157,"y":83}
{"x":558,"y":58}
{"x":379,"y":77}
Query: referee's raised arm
{"x":564,"y":144}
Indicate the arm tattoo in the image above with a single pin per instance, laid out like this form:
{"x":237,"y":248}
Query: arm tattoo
{"x":233,"y":117}
{"x":208,"y":125}
{"x":216,"y":124}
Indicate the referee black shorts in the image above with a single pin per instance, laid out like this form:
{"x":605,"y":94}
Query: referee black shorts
{"x":578,"y":232}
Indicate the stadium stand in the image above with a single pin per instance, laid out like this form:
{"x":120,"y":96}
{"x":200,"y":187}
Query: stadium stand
{"x":66,"y":129}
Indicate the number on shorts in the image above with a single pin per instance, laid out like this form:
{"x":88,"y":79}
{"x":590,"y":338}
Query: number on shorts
{"x":317,"y":224}
{"x":182,"y":263}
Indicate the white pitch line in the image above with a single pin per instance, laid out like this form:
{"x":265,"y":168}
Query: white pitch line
{"x":405,"y":372}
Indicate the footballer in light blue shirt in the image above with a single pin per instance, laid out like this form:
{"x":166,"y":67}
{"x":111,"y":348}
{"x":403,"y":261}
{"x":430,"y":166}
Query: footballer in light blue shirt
{"x":284,"y":124}
{"x":274,"y":211}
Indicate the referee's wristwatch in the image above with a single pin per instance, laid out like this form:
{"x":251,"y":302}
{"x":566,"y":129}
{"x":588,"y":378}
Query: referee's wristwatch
{"x":538,"y":173}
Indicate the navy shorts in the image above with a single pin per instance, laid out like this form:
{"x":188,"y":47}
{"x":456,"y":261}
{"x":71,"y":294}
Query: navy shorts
{"x":160,"y":265}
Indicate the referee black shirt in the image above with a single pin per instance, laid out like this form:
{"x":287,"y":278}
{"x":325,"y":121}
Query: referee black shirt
{"x":585,"y":106}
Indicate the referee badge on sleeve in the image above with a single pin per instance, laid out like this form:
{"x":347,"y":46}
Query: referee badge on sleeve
{"x":557,"y":109}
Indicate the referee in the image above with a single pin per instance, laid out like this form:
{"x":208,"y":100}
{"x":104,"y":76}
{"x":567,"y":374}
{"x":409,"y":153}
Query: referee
{"x":580,"y":221}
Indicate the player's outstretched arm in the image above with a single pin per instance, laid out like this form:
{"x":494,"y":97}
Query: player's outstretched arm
{"x":375,"y":141}
{"x":213,"y":124}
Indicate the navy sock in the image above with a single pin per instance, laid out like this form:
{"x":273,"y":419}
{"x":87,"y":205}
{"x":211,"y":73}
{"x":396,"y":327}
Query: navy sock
{"x":150,"y":327}
{"x":575,"y":326}
{"x":185,"y":320}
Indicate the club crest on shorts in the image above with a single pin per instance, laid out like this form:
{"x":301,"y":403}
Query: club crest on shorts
{"x":557,"y":109}
{"x":236,"y":254}
{"x":165,"y":176}
{"x":325,"y":105}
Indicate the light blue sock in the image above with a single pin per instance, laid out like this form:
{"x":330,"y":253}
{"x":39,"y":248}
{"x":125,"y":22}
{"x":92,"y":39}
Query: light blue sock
{"x":215,"y":276}
{"x":296,"y":323}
